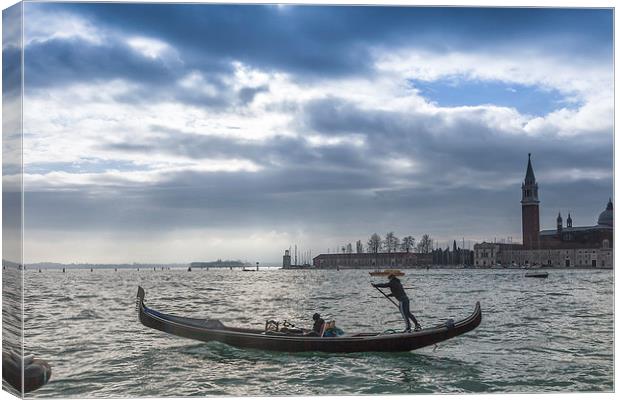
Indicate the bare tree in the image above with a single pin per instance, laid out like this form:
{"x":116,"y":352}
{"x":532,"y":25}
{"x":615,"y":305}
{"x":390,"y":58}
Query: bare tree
{"x":425,"y":245}
{"x":349,"y":248}
{"x":359,"y":247}
{"x":390,"y":243}
{"x":407,"y":244}
{"x":374,"y":243}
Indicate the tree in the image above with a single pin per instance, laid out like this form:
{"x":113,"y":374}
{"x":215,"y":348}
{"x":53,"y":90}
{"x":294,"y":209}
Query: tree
{"x":391,"y":242}
{"x":396,"y":244}
{"x":425,"y":245}
{"x":374,"y":243}
{"x":407,"y":244}
{"x":359,"y":247}
{"x":349,"y":248}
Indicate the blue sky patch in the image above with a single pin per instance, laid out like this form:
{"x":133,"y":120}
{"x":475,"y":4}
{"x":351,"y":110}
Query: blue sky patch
{"x":453,"y":92}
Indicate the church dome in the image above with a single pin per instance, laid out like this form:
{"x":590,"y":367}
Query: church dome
{"x":607,"y":216}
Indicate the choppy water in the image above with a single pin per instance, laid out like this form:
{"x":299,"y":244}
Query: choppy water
{"x":537,"y":335}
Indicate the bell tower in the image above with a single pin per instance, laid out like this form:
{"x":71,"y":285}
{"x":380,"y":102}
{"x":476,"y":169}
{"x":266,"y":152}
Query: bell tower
{"x":530,"y":219}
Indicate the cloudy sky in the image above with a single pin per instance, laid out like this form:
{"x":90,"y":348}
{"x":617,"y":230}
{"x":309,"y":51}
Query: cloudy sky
{"x":174,"y":133}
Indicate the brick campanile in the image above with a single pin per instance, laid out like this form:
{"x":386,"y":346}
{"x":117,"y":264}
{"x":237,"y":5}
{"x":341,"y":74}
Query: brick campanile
{"x":530,"y":220}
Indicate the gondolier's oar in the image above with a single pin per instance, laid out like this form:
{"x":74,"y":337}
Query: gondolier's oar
{"x":387,"y":297}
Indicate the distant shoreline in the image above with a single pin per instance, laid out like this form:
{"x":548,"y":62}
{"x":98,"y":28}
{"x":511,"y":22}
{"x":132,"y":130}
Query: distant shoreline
{"x":266,"y":267}
{"x":456,"y":267}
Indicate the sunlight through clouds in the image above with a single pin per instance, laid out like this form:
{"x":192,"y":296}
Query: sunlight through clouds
{"x":272,"y":119}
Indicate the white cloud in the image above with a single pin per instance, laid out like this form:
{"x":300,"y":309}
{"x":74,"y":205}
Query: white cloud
{"x":148,"y":47}
{"x":326,"y":141}
{"x":156,"y":49}
{"x":587,"y":83}
{"x":118,"y":178}
{"x":196,"y":82}
{"x":45,"y":25}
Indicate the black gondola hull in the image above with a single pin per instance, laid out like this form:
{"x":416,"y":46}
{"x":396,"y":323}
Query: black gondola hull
{"x":255,"y":339}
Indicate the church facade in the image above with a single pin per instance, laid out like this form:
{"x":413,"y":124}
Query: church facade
{"x":565,"y":246}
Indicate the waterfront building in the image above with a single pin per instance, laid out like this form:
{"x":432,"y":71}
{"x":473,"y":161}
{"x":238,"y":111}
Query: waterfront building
{"x":372,"y":260}
{"x":491,"y":254}
{"x":286,"y":259}
{"x":591,"y":236}
{"x":456,"y":256}
{"x":558,"y":257}
{"x":566,"y":246}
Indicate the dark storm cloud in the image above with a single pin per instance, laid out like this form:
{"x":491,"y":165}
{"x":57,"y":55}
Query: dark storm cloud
{"x":75,"y":60}
{"x":11,"y":72}
{"x":313,"y":202}
{"x":191,"y":199}
{"x":247,"y":94}
{"x":323,"y":41}
{"x":334,"y":115}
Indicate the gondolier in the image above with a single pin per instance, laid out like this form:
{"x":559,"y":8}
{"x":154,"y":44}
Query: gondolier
{"x":399,"y":294}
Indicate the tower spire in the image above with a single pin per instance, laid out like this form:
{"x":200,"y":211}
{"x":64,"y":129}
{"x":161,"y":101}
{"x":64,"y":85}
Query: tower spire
{"x":529,"y":188}
{"x":529,"y":174}
{"x":530,"y":218}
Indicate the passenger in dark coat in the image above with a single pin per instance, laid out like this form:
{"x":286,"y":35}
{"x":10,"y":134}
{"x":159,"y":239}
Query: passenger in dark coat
{"x":318,"y":324}
{"x":317,"y":328}
{"x":399,"y":294}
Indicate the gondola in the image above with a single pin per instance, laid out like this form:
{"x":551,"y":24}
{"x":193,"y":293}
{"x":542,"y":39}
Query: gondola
{"x":207,"y":330}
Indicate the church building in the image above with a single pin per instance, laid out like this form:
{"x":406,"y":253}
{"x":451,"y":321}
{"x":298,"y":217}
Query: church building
{"x":566,"y":245}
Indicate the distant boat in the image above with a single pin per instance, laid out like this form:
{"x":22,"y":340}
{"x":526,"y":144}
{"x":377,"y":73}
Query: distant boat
{"x":248,"y":270}
{"x":536,"y":274}
{"x":387,"y":272}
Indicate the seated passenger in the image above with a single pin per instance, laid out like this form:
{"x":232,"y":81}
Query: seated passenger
{"x":332,"y":330}
{"x":317,"y":328}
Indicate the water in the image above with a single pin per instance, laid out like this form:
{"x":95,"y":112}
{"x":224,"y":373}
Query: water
{"x":537,"y":335}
